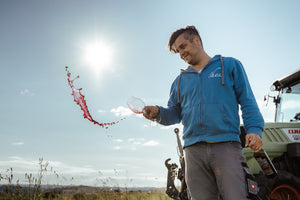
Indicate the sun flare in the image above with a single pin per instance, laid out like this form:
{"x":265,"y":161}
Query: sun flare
{"x":98,"y":56}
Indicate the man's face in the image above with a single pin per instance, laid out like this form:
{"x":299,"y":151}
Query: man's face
{"x":188,"y":50}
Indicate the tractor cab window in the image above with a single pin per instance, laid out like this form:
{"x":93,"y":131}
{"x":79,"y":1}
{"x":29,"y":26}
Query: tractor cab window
{"x":289,"y":105}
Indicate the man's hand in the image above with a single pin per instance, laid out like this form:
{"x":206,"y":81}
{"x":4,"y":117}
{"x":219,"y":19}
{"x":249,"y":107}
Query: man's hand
{"x":151,"y":112}
{"x":253,"y":141}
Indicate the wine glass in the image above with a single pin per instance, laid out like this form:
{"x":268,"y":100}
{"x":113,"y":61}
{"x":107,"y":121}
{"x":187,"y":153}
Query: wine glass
{"x":136,"y":105}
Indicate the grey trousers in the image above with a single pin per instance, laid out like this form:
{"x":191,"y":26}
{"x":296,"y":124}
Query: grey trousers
{"x":215,"y":169}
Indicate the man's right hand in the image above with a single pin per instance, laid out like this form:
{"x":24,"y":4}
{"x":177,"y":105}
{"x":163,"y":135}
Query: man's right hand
{"x":151,"y":112}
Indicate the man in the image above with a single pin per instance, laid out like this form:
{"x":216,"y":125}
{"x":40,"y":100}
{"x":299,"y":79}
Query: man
{"x":205,"y":98}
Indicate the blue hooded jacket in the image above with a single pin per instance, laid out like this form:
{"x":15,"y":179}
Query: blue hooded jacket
{"x":207,"y":104}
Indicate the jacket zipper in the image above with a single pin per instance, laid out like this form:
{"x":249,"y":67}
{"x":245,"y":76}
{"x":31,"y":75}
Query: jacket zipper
{"x":200,"y":103}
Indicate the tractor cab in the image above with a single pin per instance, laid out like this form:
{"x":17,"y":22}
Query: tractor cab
{"x":287,"y":100}
{"x":281,"y":141}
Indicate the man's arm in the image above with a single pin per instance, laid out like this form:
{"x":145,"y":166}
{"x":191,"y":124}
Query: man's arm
{"x":252,"y":118}
{"x":165,"y":116}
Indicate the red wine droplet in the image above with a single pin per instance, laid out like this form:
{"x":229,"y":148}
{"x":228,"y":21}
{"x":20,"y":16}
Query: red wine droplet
{"x":79,"y":99}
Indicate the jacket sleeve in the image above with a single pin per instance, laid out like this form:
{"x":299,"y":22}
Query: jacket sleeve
{"x":252,"y":118}
{"x":171,"y":114}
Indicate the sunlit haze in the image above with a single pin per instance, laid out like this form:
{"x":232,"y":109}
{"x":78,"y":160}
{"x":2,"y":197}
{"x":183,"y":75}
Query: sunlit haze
{"x":98,"y":55}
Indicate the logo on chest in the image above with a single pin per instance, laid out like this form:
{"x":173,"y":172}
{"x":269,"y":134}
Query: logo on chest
{"x":217,"y":73}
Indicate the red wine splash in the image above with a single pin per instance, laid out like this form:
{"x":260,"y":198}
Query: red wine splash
{"x":79,"y":99}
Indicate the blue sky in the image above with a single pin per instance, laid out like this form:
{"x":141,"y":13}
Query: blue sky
{"x":39,"y":118}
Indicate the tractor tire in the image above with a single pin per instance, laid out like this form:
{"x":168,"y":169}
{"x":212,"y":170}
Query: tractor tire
{"x":285,"y":186}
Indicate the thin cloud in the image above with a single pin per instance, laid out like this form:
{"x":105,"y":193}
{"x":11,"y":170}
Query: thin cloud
{"x":133,"y":148}
{"x":134,"y":143}
{"x":121,"y":111}
{"x":151,"y":143}
{"x":18,"y":162}
{"x":118,"y":140}
{"x":135,"y":140}
{"x":21,"y":166}
{"x":17,"y":143}
{"x":117,"y":148}
{"x":26,"y":92}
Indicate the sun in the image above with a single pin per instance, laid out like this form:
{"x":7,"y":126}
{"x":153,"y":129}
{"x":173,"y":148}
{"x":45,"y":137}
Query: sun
{"x":98,"y":55}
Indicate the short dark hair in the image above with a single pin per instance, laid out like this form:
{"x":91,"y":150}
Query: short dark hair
{"x":189,"y":31}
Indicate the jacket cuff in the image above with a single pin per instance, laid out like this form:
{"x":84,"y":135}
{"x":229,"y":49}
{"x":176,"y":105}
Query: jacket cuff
{"x":256,"y":130}
{"x":158,"y":117}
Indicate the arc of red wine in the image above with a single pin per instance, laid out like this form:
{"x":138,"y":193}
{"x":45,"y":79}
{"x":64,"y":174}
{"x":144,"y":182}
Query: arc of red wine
{"x":79,"y":99}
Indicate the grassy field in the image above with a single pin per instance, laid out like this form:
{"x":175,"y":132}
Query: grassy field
{"x":151,"y":195}
{"x":104,"y":195}
{"x":10,"y":189}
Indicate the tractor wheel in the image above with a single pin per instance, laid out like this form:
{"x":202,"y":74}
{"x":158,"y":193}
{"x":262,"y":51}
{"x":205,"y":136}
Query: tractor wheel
{"x":285,"y":186}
